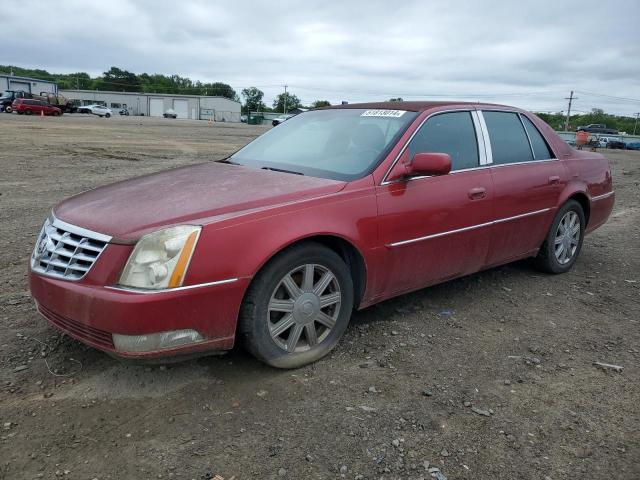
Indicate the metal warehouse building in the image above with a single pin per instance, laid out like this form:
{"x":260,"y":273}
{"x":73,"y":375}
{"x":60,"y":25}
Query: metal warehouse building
{"x":195,"y":107}
{"x":31,"y":85}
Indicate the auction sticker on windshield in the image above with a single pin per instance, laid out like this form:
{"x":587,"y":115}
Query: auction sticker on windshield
{"x":383,"y":113}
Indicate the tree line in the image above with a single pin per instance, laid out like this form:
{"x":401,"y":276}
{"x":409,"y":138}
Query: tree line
{"x":596,"y":115}
{"x":117,"y":79}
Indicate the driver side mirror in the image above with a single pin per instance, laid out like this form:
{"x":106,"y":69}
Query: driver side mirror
{"x":429,"y":164}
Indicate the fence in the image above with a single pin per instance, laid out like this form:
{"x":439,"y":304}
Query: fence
{"x":219,"y":116}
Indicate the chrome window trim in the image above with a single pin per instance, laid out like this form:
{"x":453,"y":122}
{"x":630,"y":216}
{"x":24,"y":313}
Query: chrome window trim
{"x":482,"y":149}
{"x":533,"y":154}
{"x":466,"y":229}
{"x":406,"y":145}
{"x":602,"y":197}
{"x":166,"y":290}
{"x":524,"y":163}
{"x":485,"y":137}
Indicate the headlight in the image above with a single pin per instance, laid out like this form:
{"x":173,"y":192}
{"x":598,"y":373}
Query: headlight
{"x":160,"y":259}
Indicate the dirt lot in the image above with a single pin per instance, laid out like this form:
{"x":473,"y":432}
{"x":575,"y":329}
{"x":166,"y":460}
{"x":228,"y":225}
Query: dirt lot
{"x":486,"y":377}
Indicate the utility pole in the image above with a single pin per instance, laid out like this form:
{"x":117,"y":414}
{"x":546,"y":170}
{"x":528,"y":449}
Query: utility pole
{"x":571,"y":98}
{"x":285,"y":99}
{"x":636,"y":124}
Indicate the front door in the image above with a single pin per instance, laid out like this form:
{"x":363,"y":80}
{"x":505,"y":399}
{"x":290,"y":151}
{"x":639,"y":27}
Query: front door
{"x":435,"y":228}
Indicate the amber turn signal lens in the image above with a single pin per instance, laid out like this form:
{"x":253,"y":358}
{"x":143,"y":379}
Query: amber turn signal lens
{"x":183,"y":261}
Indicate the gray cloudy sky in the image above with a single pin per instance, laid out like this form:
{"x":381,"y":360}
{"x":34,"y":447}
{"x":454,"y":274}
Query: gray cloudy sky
{"x":524,"y":53}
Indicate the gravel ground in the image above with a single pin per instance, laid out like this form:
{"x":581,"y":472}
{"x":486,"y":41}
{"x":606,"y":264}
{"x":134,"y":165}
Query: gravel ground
{"x":491,"y":376}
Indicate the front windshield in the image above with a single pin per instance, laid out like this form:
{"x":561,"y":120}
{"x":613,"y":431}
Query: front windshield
{"x":342,"y":144}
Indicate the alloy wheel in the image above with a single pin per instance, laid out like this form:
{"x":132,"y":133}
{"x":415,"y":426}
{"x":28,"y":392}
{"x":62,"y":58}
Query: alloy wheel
{"x":304,"y":308}
{"x":567,"y":237}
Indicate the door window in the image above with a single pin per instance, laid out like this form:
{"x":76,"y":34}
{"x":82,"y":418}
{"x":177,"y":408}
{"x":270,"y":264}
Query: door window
{"x":509,"y":142}
{"x":540,"y":148}
{"x":451,"y":133}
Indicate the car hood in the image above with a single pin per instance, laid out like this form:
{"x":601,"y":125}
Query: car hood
{"x":129,"y":209}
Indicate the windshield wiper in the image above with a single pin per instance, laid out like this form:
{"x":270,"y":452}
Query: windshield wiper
{"x":282,"y":170}
{"x":226,"y":160}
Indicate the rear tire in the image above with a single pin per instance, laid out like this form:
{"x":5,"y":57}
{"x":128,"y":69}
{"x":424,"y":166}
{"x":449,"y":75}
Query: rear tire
{"x":28,"y":112}
{"x":8,"y":109}
{"x":297,"y":307}
{"x":563,"y":243}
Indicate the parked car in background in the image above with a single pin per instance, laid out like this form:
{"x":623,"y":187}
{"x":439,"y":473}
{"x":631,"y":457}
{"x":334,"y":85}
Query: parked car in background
{"x":598,"y":128}
{"x":124,"y":111}
{"x":633,"y":146}
{"x":281,"y":119}
{"x":612,"y":142}
{"x":170,"y":114}
{"x":335,"y":210}
{"x":30,"y":106}
{"x":96,"y":109}
{"x":243,"y":118}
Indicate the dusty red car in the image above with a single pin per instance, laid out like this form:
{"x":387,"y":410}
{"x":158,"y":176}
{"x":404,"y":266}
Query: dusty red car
{"x":334,"y":210}
{"x":29,"y":106}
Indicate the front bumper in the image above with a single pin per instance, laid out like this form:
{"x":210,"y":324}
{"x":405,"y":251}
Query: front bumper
{"x":92,"y":313}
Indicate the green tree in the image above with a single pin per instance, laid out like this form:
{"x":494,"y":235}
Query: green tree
{"x":117,"y":79}
{"x":320,"y":104}
{"x":253,"y":99}
{"x":218,"y":89}
{"x":288,"y":99}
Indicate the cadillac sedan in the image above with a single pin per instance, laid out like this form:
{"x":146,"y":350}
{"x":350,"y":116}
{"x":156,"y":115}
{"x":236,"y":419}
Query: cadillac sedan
{"x":334,"y":210}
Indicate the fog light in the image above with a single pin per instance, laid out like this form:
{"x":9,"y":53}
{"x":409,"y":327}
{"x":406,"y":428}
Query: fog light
{"x":155,"y":341}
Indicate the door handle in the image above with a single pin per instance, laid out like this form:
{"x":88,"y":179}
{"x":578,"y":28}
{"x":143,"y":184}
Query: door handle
{"x":477,"y":193}
{"x":554,"y":179}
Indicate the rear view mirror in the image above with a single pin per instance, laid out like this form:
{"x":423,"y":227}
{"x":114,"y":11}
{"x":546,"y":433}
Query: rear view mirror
{"x":429,"y":164}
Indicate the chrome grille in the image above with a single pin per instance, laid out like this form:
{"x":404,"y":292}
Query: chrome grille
{"x":66,"y":251}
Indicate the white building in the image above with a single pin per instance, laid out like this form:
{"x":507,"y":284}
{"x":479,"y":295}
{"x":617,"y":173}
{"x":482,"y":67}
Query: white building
{"x":30,"y":85}
{"x":195,"y":107}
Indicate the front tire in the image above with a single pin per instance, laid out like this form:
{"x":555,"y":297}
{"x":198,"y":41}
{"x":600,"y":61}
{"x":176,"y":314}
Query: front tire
{"x":8,"y":109}
{"x":107,"y":115}
{"x":563,"y":243}
{"x":297,"y":307}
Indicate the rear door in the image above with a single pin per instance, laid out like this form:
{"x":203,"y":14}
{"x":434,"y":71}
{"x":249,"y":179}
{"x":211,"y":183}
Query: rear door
{"x":36,"y":106}
{"x":436,"y":227}
{"x":528,"y":180}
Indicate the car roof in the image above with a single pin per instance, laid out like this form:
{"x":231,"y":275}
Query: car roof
{"x":420,"y":106}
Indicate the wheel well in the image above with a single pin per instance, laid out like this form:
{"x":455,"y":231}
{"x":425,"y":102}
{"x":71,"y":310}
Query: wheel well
{"x":349,"y":254}
{"x":583,"y":200}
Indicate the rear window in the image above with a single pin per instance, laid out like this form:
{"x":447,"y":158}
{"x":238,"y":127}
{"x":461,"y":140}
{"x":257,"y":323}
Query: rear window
{"x":509,"y":142}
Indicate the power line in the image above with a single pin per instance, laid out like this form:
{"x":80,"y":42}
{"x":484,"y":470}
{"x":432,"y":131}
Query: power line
{"x":627,"y":99}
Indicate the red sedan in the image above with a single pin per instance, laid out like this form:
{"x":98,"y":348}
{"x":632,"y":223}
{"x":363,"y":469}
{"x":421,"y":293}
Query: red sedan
{"x":334,"y":210}
{"x":30,"y":106}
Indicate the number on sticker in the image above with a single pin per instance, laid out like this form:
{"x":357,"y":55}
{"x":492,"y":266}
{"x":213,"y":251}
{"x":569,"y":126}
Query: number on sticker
{"x":383,"y":113}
